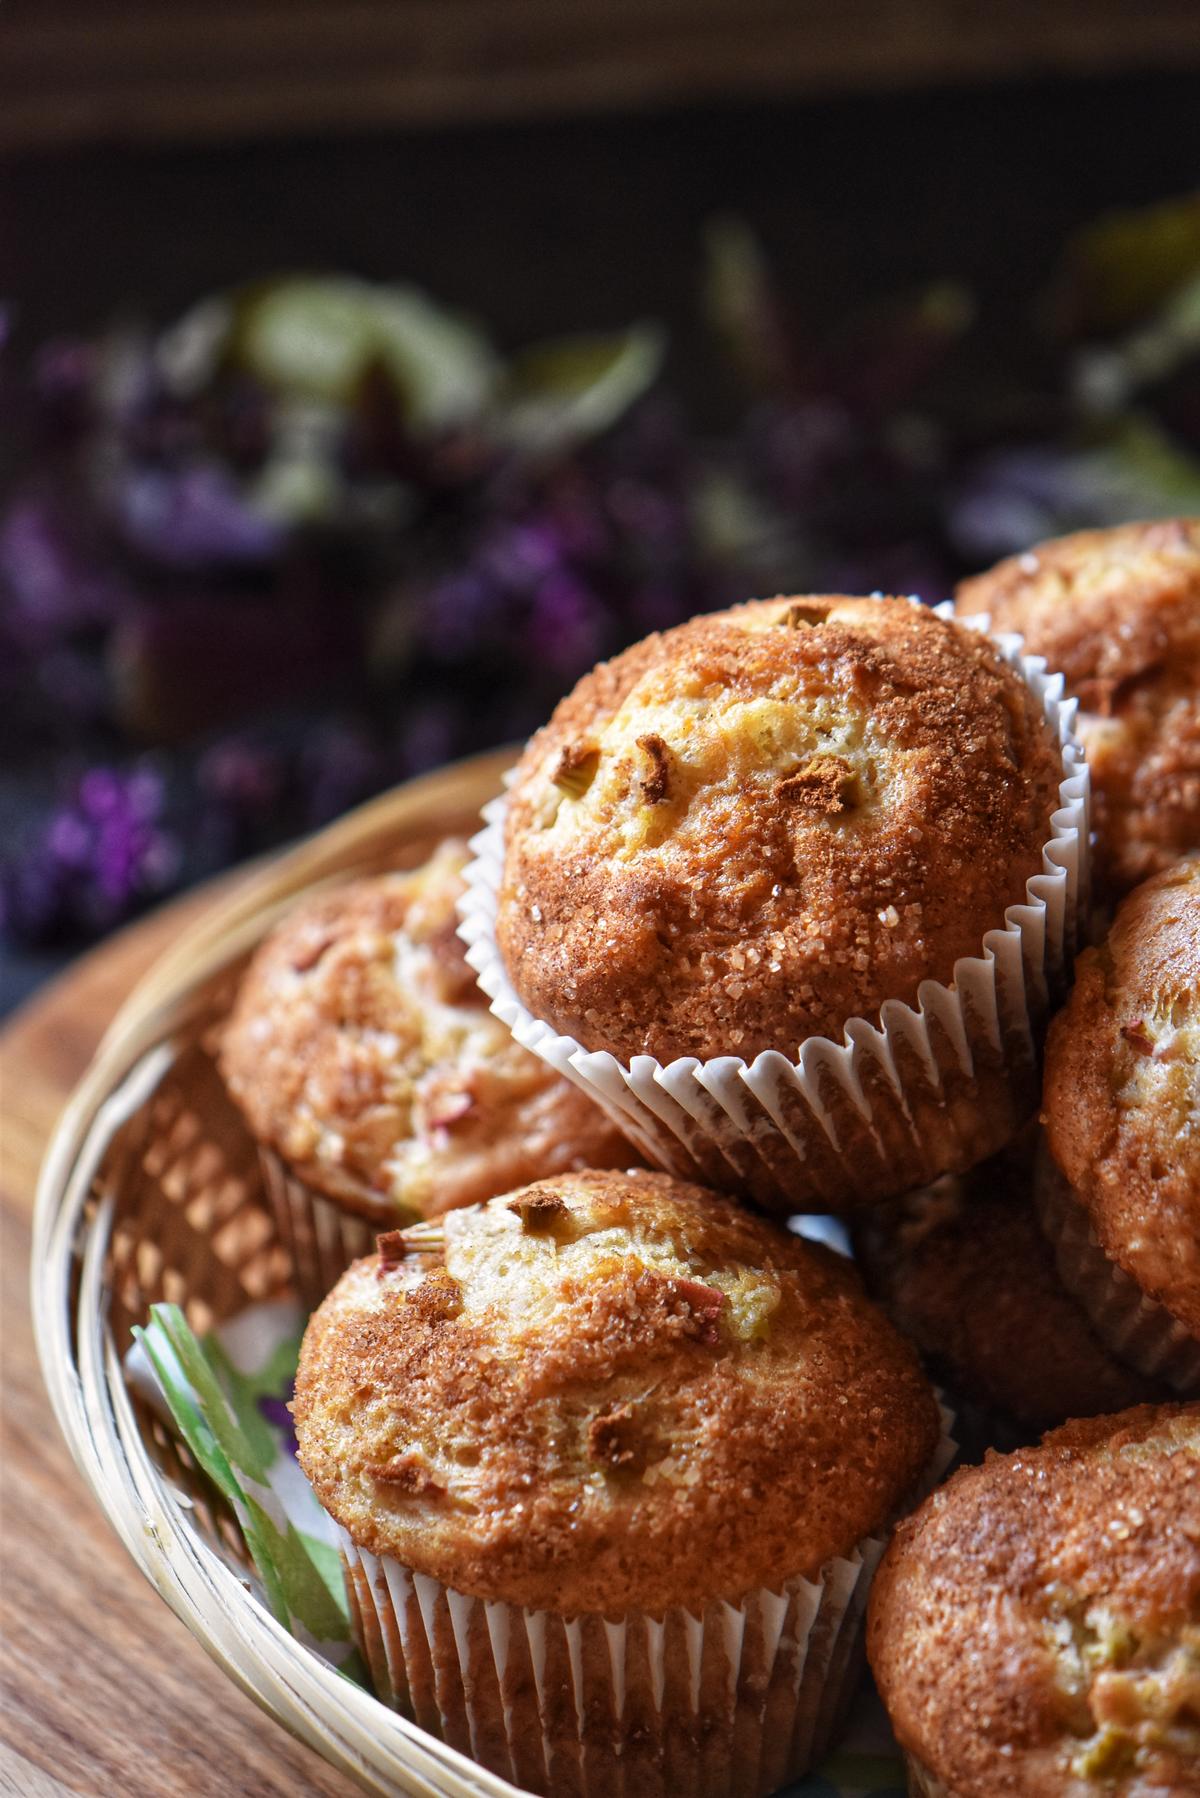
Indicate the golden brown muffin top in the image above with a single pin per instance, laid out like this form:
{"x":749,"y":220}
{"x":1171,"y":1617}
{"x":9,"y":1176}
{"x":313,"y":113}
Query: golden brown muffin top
{"x":748,"y":830}
{"x":1035,"y":1627}
{"x":1118,"y":613}
{"x":361,"y":1049}
{"x":609,"y":1391}
{"x":964,"y":1270}
{"x":1122,"y":1093}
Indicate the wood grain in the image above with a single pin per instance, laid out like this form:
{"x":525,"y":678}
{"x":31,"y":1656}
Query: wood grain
{"x":111,"y":70}
{"x":104,"y":1691}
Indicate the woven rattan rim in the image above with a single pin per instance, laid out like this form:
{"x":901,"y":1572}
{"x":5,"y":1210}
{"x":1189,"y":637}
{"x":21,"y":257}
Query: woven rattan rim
{"x":72,"y":1302}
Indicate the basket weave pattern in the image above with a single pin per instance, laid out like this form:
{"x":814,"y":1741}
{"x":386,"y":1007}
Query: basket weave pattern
{"x":152,"y":1191}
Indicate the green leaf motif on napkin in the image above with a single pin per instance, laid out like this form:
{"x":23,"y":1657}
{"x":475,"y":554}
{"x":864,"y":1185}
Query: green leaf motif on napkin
{"x":214,"y":1406}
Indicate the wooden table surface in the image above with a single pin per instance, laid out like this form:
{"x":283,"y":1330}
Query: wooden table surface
{"x":104,"y":1692}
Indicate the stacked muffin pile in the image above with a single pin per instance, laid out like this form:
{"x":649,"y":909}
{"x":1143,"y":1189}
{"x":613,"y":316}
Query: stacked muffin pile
{"x":786,"y":899}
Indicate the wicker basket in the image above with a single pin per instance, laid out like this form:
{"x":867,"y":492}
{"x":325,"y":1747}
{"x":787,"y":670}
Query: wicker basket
{"x":152,"y":1190}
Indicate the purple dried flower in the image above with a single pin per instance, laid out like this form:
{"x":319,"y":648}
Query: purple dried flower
{"x":802,"y":451}
{"x":522,"y":555}
{"x":460,"y":610}
{"x":54,"y":577}
{"x":277,"y":1413}
{"x":64,"y":370}
{"x":565,"y":626}
{"x":339,"y":767}
{"x":646,"y":512}
{"x":196,"y":518}
{"x":241,"y":801}
{"x":94,"y":859}
{"x":241,"y":775}
{"x":1017,"y":497}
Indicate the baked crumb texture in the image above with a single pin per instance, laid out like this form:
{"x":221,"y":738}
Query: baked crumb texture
{"x":746,"y":834}
{"x":838,"y":806}
{"x":1035,"y":1626}
{"x":362,"y":1052}
{"x":1118,"y":613}
{"x":605,"y":1392}
{"x":963,"y":1269}
{"x":1122,"y":1116}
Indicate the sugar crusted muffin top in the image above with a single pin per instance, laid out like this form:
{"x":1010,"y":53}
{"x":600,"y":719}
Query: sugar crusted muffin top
{"x":963,"y":1269}
{"x":1035,"y":1627}
{"x":749,"y":829}
{"x":1122,"y":1090}
{"x":361,"y":1049}
{"x":1118,"y":613}
{"x":609,"y":1391}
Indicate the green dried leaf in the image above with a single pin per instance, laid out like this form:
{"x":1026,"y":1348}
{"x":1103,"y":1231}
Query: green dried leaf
{"x":574,"y":388}
{"x":242,"y":1393}
{"x":1121,"y":268}
{"x":304,"y":1589}
{"x":742,"y":305}
{"x":253,"y":1453}
{"x":217,"y":1416}
{"x":189,"y":1420}
{"x":1109,"y":379}
{"x":1143,"y":473}
{"x":317,"y":337}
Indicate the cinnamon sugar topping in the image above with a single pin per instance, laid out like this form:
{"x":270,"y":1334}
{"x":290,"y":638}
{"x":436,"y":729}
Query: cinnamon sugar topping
{"x":613,"y":1438}
{"x":827,"y":785}
{"x":438,"y":1298}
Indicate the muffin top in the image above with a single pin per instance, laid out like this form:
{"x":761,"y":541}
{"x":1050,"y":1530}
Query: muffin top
{"x":1122,"y":1093}
{"x":362,"y":1051}
{"x":963,"y":1269}
{"x":1035,"y":1627}
{"x":1118,"y":613}
{"x":745,"y":831}
{"x":608,"y":1391}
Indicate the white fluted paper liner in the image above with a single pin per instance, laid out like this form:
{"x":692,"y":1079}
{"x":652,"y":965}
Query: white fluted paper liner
{"x":732,"y":1702}
{"x":926,"y":1091}
{"x":322,"y":1237}
{"x":735,"y":1701}
{"x":1137,"y":1329}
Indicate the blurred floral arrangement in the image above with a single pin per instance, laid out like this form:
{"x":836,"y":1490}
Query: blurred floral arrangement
{"x":319,"y":535}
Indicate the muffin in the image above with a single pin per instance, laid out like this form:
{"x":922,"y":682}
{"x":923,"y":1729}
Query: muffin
{"x":963,"y":1270}
{"x":609,"y":1458}
{"x":1118,"y":613}
{"x":1035,"y":1627}
{"x":1120,"y":1192}
{"x":377,"y":1083}
{"x":742,"y":852}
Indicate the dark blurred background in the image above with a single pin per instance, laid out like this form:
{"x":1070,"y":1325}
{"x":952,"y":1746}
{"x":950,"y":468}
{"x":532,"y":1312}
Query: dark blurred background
{"x":370,"y":370}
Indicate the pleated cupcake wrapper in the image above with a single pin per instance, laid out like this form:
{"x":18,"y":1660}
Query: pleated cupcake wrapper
{"x":321,"y":1236}
{"x":1137,"y":1329}
{"x":732,"y":1702}
{"x":928,"y":1090}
